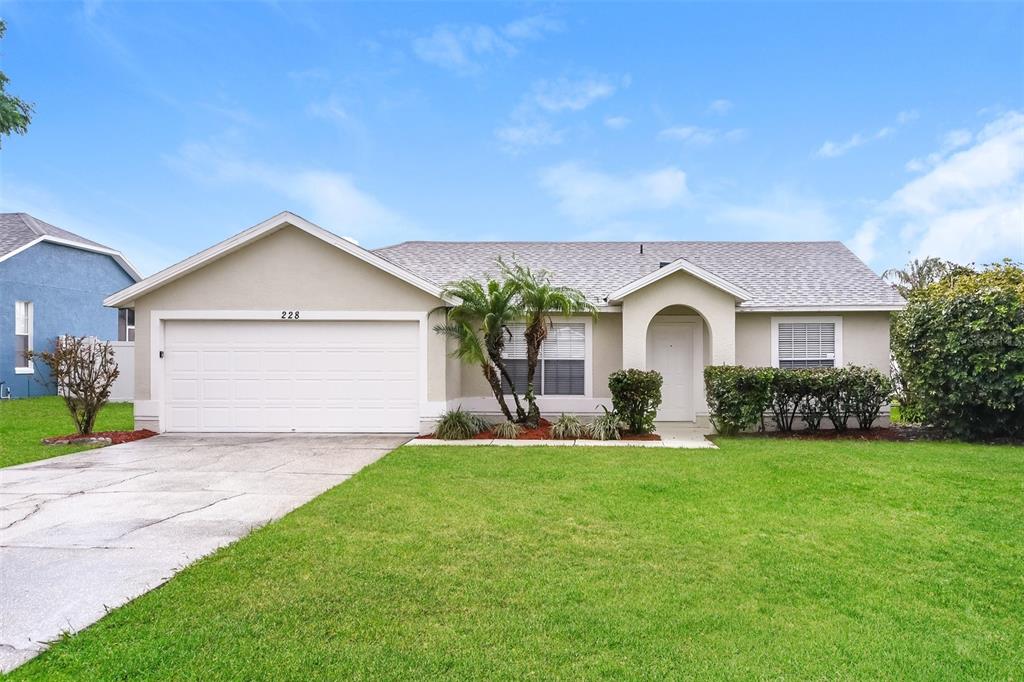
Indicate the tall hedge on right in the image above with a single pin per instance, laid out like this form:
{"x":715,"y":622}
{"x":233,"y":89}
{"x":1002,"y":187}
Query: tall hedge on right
{"x":959,"y":349}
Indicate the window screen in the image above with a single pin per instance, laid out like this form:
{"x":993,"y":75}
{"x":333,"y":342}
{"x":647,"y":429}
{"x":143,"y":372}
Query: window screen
{"x":807,"y":344}
{"x":126,"y":324}
{"x":560,"y":369}
{"x":22,"y":333}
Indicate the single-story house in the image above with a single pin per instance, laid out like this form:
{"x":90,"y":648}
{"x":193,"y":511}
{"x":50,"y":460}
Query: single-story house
{"x":288,"y":327}
{"x":52,"y":283}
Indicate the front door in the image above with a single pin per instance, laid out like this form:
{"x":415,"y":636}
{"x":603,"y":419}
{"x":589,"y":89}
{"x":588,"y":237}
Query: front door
{"x":670,"y":351}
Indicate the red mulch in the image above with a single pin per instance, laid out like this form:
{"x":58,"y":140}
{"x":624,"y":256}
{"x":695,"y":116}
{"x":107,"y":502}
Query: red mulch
{"x":543,"y":432}
{"x":116,"y":437}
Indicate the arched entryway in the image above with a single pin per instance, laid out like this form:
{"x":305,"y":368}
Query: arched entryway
{"x":678,"y":346}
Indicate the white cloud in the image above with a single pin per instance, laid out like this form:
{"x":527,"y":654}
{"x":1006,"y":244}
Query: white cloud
{"x":564,"y":94}
{"x":831,"y":149}
{"x":586,"y":195}
{"x":720,"y":107}
{"x":954,"y":139}
{"x":616,"y":122}
{"x":781,"y":215}
{"x":518,"y":137}
{"x":462,"y":47}
{"x":331,"y":198}
{"x":529,"y":125}
{"x":969,"y":206}
{"x":697,"y":136}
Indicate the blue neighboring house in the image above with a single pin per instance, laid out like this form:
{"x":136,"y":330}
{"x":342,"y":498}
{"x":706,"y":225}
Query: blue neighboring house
{"x":53,"y":282}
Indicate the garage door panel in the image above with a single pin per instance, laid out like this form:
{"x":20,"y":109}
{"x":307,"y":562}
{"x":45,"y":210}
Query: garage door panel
{"x":249,"y":375}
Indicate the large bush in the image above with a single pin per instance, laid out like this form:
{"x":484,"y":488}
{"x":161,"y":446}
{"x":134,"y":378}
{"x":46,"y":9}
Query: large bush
{"x":959,"y":346}
{"x":738,"y":397}
{"x":636,"y":395}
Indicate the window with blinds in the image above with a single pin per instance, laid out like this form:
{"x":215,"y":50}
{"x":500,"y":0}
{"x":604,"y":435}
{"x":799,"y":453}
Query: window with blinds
{"x":807,"y":344}
{"x":560,"y":369}
{"x":22,"y":335}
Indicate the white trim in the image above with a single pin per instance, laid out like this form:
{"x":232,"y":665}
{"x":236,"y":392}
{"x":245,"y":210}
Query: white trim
{"x":126,"y":296}
{"x":116,"y":255}
{"x":156,"y":405}
{"x":688,"y":267}
{"x":837,"y":321}
{"x":30,"y":314}
{"x":885,"y":307}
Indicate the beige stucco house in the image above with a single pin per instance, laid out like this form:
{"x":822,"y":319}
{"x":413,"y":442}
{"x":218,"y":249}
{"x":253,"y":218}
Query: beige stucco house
{"x":288,"y":327}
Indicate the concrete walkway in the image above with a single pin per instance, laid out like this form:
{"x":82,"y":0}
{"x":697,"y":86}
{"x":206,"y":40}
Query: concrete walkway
{"x":85,"y":533}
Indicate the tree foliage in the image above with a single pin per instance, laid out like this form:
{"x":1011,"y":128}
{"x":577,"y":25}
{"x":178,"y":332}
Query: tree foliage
{"x":959,"y":346}
{"x":918,"y":274}
{"x":537,"y":299}
{"x":15,"y":113}
{"x":84,"y":370}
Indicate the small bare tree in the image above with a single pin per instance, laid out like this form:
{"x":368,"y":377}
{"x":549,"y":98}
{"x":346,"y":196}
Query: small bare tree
{"x":84,"y":370}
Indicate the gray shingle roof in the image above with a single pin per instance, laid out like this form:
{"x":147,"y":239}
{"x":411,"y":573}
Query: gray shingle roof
{"x":18,"y":229}
{"x":777,"y":274}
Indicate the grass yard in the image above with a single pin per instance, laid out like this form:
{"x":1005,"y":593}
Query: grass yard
{"x":24,"y":422}
{"x":765,"y":559}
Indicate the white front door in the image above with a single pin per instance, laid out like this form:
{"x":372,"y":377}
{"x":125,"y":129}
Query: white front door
{"x":305,"y":375}
{"x":671,"y":352}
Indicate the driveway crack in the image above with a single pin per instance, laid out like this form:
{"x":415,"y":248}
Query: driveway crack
{"x":181,"y":513}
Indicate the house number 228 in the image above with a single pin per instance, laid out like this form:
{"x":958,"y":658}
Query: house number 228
{"x":289,"y":314}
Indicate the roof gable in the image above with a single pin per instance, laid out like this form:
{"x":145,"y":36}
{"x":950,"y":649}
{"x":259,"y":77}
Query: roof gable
{"x":20,"y":232}
{"x":680,"y":265}
{"x":238,"y":241}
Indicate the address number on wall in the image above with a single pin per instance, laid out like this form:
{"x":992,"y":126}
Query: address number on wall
{"x":289,"y":314}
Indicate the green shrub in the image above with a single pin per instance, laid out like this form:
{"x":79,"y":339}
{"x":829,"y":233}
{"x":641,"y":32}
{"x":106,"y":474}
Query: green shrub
{"x":959,"y":346}
{"x":567,"y":427}
{"x":869,"y":390}
{"x":508,"y":430}
{"x":737,"y":396}
{"x":636,"y":395}
{"x":458,"y":425}
{"x":812,"y":408}
{"x":605,"y":427}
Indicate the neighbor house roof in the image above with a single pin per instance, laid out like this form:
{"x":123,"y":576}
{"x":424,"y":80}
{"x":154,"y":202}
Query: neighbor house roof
{"x":20,"y":231}
{"x":761,"y":275}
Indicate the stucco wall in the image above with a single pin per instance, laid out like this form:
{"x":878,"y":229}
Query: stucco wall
{"x":865,"y":338}
{"x":287,"y":269}
{"x":66,"y":287}
{"x":717,"y":307}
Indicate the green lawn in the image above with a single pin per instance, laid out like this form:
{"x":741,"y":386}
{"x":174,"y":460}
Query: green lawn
{"x":25,"y":421}
{"x":765,"y":559}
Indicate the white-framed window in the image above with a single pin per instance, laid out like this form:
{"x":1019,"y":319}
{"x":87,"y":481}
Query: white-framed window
{"x":561,"y":368}
{"x":807,"y":342}
{"x":22,"y":337}
{"x":126,"y":324}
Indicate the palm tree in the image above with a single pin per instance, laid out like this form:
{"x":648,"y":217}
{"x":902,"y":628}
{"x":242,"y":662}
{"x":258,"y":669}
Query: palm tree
{"x":479,"y":324}
{"x":538,"y":298}
{"x":918,"y":274}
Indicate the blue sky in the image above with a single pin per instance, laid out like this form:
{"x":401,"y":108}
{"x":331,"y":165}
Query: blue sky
{"x":161,"y":129}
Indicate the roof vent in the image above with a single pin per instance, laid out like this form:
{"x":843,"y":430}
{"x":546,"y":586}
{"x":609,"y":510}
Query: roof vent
{"x":664,"y":263}
{"x":641,"y":249}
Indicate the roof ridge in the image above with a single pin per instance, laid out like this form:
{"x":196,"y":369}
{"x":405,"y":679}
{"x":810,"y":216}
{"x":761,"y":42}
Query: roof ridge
{"x":32,"y":224}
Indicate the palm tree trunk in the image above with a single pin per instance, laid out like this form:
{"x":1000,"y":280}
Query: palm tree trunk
{"x":520,"y":412}
{"x":535,"y":335}
{"x":495,"y":381}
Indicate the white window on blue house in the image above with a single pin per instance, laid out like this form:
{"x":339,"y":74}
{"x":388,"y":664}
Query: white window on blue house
{"x":22,"y":337}
{"x":561,"y":369}
{"x":126,"y":324}
{"x":799,"y":342}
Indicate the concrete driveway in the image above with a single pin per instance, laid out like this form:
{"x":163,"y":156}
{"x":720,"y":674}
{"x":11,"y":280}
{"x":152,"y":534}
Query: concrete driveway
{"x":84,"y":533}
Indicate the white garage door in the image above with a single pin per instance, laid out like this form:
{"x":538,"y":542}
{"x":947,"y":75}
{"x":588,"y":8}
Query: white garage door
{"x":268,"y":375}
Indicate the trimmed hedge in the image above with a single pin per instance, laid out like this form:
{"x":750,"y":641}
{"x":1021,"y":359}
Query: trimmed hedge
{"x":636,"y":395}
{"x":738,"y":397}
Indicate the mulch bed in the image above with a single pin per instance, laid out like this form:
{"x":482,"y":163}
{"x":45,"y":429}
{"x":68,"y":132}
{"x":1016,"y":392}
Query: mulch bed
{"x":543,"y":432}
{"x":887,"y":433}
{"x":114,"y":437}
